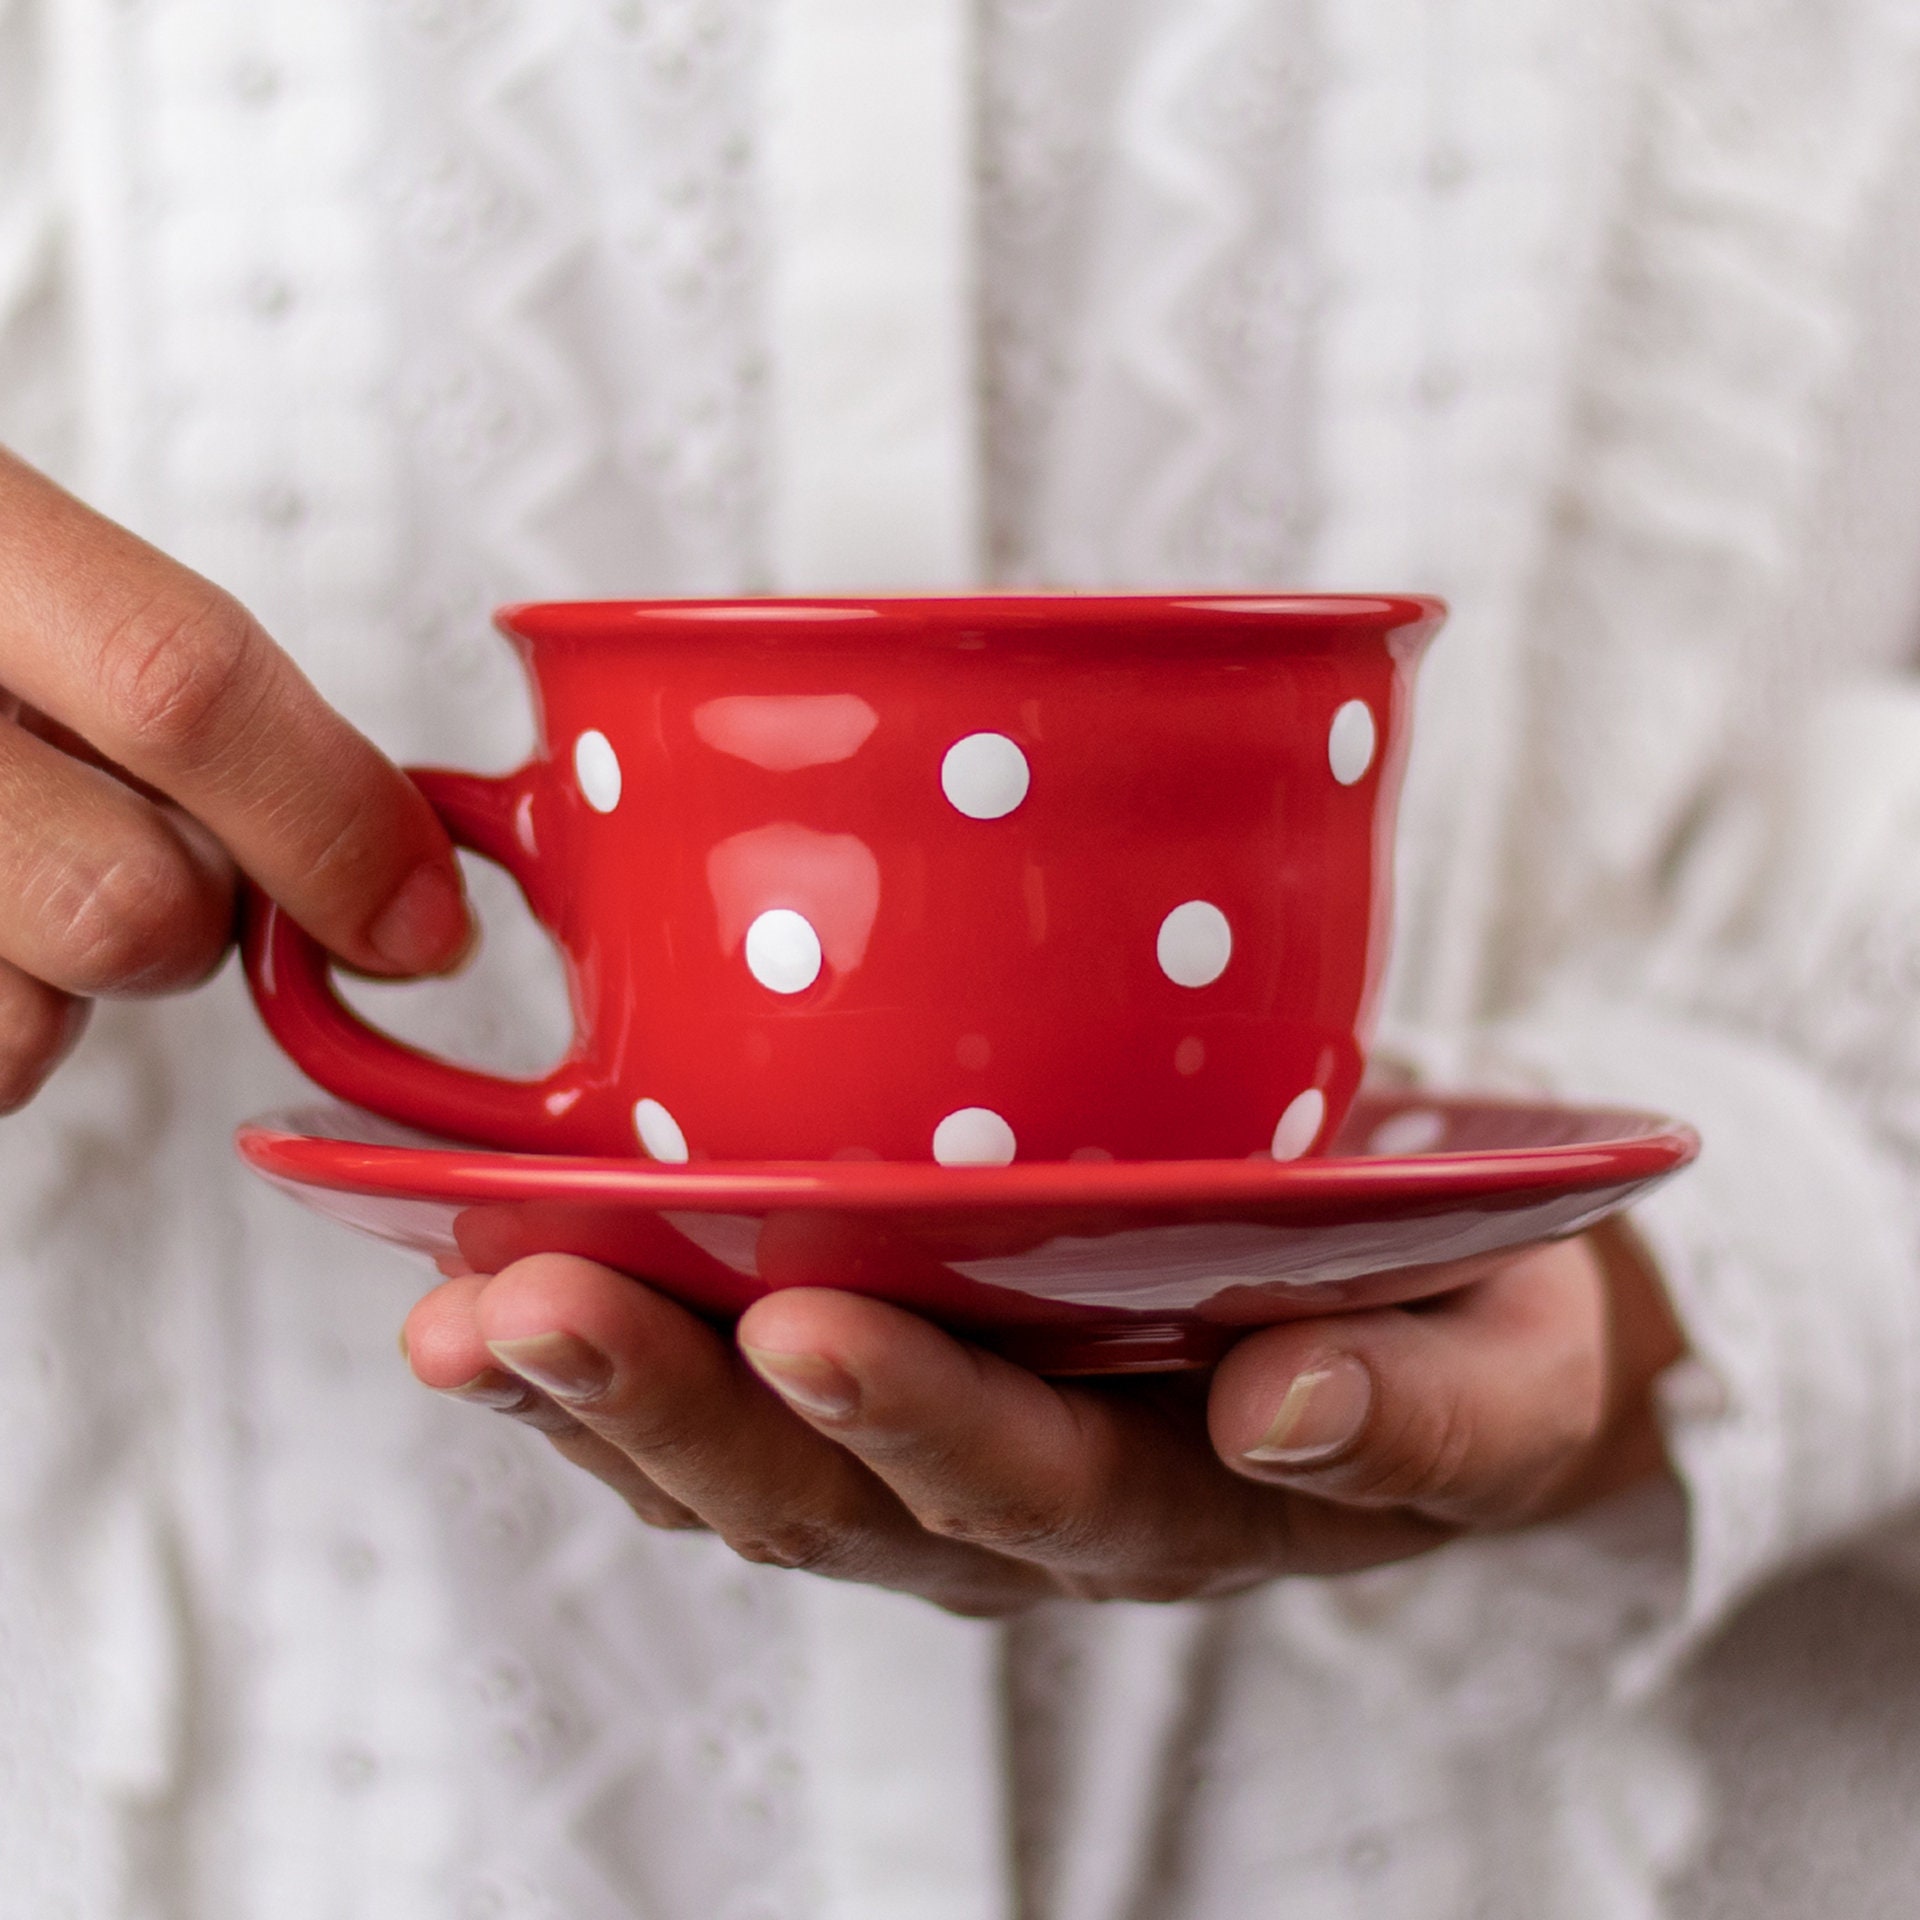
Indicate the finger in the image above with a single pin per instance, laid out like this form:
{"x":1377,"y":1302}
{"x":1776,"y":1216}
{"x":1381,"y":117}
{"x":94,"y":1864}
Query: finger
{"x":678,"y":1401}
{"x":44,"y":727}
{"x":100,"y":891}
{"x":1114,"y":1493}
{"x":441,"y":1343}
{"x":615,"y":1470}
{"x":39,"y":1027}
{"x":1473,"y":1412}
{"x":174,"y":681}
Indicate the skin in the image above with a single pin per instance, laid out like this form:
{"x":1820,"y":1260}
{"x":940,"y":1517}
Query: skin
{"x":845,"y":1436}
{"x":155,"y":744}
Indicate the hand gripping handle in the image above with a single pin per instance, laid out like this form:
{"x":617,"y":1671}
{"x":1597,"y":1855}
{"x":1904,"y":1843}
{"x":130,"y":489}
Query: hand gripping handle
{"x":290,"y":975}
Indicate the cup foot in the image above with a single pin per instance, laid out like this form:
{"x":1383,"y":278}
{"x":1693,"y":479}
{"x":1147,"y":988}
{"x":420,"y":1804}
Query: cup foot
{"x":1127,"y":1346}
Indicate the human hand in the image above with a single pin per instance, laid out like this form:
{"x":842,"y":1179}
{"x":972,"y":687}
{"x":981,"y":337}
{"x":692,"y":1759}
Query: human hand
{"x":153,"y":740}
{"x":893,"y":1454}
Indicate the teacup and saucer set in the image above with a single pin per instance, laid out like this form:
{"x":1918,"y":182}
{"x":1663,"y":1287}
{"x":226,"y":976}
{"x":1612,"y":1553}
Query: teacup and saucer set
{"x":1009,"y":958}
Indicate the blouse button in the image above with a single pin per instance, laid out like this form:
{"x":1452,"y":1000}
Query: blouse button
{"x":1448,"y":168}
{"x":353,"y":1769}
{"x":268,"y":294}
{"x":356,"y":1562}
{"x":1439,"y":384}
{"x":1367,"y":1854}
{"x":281,"y":507}
{"x":1640,"y":1618}
{"x":255,"y":82}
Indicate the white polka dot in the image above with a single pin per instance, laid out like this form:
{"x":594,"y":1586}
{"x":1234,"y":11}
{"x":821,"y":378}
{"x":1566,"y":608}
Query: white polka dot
{"x":1351,"y":741}
{"x":783,"y":951}
{"x":1195,"y":944}
{"x":659,"y":1132}
{"x":597,"y":767}
{"x":985,"y":776}
{"x":973,"y":1137}
{"x":1300,"y":1125}
{"x":1419,"y":1130}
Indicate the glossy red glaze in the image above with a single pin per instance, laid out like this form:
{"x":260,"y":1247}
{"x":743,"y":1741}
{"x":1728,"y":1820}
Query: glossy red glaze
{"x":801,"y":760}
{"x":1067,"y":1268}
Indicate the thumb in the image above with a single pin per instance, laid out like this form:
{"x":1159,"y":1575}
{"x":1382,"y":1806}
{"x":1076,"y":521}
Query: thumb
{"x":1475,"y":1411}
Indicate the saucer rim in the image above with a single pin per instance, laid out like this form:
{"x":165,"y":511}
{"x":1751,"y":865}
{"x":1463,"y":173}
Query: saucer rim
{"x":1645,"y":1146}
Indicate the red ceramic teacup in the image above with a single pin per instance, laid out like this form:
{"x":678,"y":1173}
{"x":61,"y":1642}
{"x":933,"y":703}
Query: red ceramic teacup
{"x":969,"y":879}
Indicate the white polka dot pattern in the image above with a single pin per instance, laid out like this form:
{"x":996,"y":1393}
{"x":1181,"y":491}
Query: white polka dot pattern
{"x":597,"y":768}
{"x":659,"y":1132}
{"x":1300,"y":1125}
{"x":973,"y":1137}
{"x":1195,"y":944}
{"x":985,"y":776}
{"x":1351,"y":742}
{"x":783,"y":951}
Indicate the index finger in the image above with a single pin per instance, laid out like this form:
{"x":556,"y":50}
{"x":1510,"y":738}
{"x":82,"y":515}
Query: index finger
{"x":173,"y":680}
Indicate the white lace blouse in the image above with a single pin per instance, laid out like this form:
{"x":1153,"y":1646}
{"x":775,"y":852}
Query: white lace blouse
{"x":1590,"y":314}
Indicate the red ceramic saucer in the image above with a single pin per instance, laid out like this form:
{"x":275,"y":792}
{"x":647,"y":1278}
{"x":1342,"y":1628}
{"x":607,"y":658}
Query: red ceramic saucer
{"x":1068,"y":1267}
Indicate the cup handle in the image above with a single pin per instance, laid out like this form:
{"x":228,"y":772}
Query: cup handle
{"x":290,"y":976}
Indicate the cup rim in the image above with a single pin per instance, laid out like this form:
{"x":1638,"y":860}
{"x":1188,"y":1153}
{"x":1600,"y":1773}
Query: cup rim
{"x":1407,"y":620}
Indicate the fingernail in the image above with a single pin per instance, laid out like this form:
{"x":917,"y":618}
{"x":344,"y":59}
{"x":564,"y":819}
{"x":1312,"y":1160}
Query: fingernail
{"x":502,"y":1393}
{"x":406,"y":1352}
{"x":491,"y":1388}
{"x":808,"y":1381}
{"x":557,"y":1363}
{"x":1323,"y":1412}
{"x":425,"y":927}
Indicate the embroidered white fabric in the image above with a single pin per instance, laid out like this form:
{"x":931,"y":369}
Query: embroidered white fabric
{"x":1582,"y":314}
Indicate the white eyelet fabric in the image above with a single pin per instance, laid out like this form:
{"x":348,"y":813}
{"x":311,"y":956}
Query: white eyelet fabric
{"x":383,"y":314}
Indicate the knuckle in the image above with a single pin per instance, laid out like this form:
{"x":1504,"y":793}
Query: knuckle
{"x":1015,"y":1526}
{"x":798,"y":1543}
{"x":989,"y":1604}
{"x":353,"y":847}
{"x":170,"y":674}
{"x":1421,"y":1458}
{"x":1061,"y":1510}
{"x":1446,"y":1459}
{"x":1171,"y":1586}
{"x":1439,"y":1464}
{"x":128,"y":919}
{"x":971,"y":1587}
{"x":664,"y":1517}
